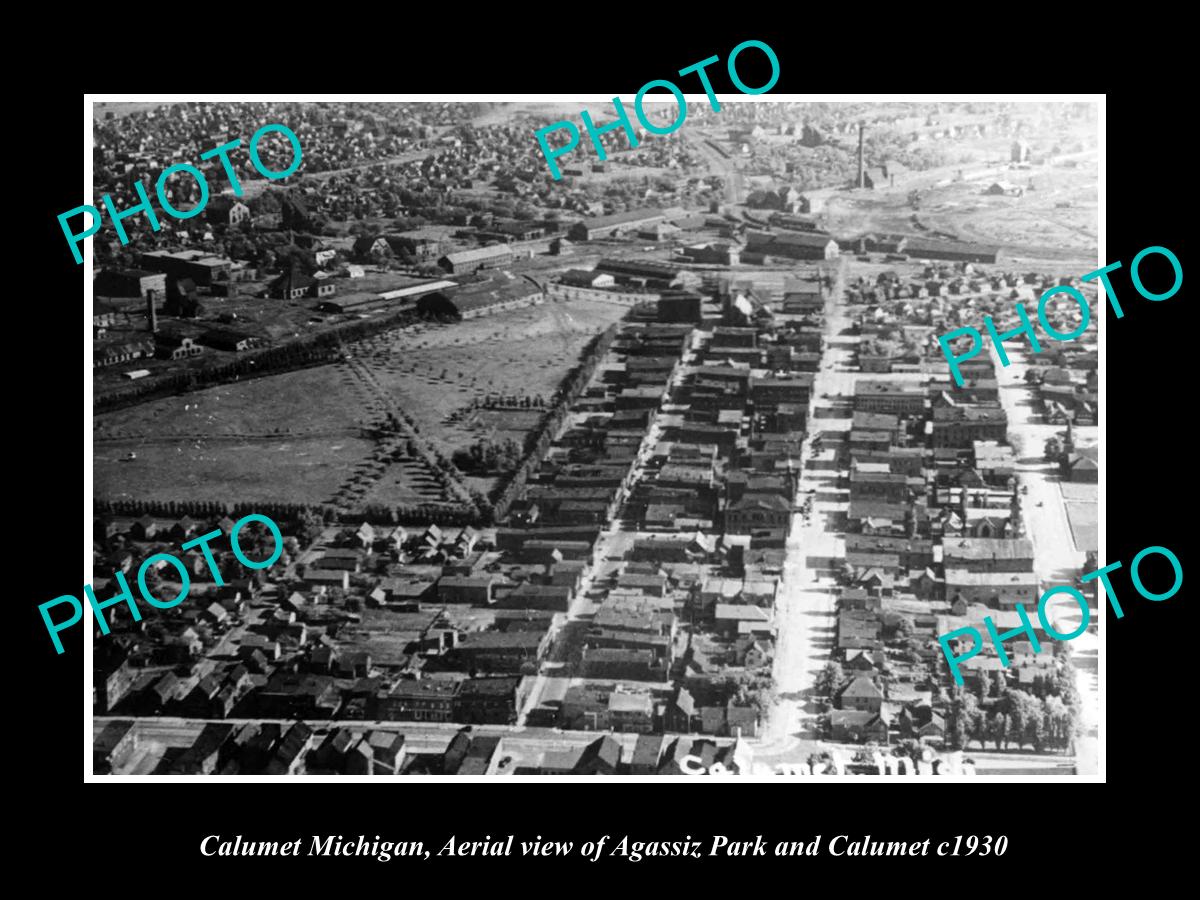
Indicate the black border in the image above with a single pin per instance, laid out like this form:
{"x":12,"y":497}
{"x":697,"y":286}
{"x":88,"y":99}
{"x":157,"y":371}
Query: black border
{"x":1148,"y":389}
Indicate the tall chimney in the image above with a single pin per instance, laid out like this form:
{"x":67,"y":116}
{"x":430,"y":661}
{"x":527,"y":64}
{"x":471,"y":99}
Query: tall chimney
{"x":861,"y":179}
{"x":151,"y":312}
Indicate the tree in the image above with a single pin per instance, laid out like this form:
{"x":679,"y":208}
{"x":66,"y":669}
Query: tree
{"x":999,"y":686}
{"x":1026,"y":714}
{"x":1053,"y":450}
{"x":828,"y":679}
{"x":968,"y":719}
{"x":997,"y":728}
{"x":1059,"y":722}
{"x":957,"y":736}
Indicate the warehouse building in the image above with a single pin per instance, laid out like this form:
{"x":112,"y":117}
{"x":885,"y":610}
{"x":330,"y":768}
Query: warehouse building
{"x":363,"y":301}
{"x":648,"y":274}
{"x":129,"y":283}
{"x":466,"y":261}
{"x":606,"y":226}
{"x":485,"y":298}
{"x":201,"y":267}
{"x":958,"y":251}
{"x":792,"y":244}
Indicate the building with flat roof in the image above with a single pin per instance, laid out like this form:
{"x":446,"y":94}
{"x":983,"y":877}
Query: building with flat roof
{"x":202,"y":268}
{"x":889,"y":397}
{"x":419,"y":700}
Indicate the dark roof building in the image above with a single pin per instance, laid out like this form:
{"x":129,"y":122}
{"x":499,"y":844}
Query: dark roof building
{"x":606,"y":226}
{"x":470,"y":260}
{"x":474,"y":300}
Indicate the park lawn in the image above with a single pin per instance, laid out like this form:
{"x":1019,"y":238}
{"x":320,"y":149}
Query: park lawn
{"x":282,"y":470}
{"x":435,"y":374}
{"x":323,"y":399}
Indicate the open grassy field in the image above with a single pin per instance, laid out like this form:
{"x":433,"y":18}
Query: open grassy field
{"x":289,"y":437}
{"x":436,"y":373}
{"x":302,"y":436}
{"x":319,"y":399}
{"x":300,"y":470}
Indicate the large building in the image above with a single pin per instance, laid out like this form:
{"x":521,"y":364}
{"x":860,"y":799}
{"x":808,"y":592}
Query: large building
{"x":801,"y":297}
{"x":474,"y":300}
{"x":606,"y":226}
{"x":493,"y":701}
{"x":360,"y":301}
{"x":419,"y":700}
{"x":792,"y":244}
{"x":888,"y":397}
{"x":129,"y":283}
{"x":650,"y":274}
{"x":465,"y":261}
{"x":999,"y":590}
{"x":958,"y":251}
{"x":961,"y":426}
{"x":972,"y":554}
{"x":201,"y":267}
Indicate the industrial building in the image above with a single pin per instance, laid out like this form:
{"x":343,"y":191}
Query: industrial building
{"x":474,"y":300}
{"x":647,"y":274}
{"x":792,"y":244}
{"x":201,"y":267}
{"x":606,"y":226}
{"x":586,"y":279}
{"x":466,"y":261}
{"x":129,"y":283}
{"x":958,"y":251}
{"x":361,"y":301}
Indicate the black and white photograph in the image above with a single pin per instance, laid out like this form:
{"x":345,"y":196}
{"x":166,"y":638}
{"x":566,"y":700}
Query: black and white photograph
{"x":464,"y":439}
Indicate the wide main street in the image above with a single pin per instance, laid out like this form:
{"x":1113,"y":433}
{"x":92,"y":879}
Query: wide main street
{"x":1057,"y":559}
{"x":805,"y":605}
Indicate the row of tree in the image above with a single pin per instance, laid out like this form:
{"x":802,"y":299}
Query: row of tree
{"x":311,"y":350}
{"x":304,"y":519}
{"x":1018,"y":717}
{"x":537,"y":442}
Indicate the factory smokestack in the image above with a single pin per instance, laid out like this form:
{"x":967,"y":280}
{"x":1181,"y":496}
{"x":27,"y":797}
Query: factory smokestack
{"x":151,"y":312}
{"x":861,"y":181}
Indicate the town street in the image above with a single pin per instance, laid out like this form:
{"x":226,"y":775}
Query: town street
{"x":1056,"y":558}
{"x":805,"y":616}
